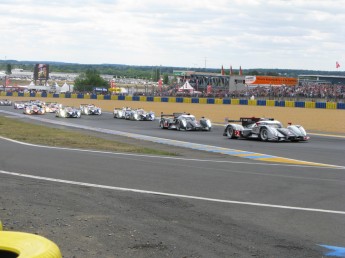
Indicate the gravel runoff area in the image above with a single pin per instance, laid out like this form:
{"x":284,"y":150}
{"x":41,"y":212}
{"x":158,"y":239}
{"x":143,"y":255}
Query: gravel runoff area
{"x":313,"y":120}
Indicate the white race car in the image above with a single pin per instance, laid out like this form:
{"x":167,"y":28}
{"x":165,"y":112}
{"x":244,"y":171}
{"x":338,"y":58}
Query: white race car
{"x":33,"y":109}
{"x":90,"y":109}
{"x":68,"y":112}
{"x":141,"y":115}
{"x":264,"y":129}
{"x":122,"y":112}
{"x":5,"y":102}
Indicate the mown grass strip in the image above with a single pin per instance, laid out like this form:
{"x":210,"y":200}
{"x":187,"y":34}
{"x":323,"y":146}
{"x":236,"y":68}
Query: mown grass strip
{"x":44,"y":135}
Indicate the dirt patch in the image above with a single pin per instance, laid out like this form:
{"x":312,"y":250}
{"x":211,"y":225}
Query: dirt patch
{"x":317,"y":120}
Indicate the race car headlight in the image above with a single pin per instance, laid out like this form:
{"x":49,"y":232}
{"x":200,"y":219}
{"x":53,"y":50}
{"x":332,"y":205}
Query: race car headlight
{"x":135,"y":116}
{"x":63,"y":113}
{"x":184,"y":122}
{"x":208,"y":122}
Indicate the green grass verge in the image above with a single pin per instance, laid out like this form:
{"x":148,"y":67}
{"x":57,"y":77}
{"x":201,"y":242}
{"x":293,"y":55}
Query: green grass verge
{"x":44,"y":135}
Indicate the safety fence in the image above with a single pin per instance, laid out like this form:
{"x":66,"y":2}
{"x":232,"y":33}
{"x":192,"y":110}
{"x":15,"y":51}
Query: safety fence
{"x":222,"y":101}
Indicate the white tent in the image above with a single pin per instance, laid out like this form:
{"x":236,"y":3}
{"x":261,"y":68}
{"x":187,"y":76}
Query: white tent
{"x":32,"y":86}
{"x":186,"y":87}
{"x":65,"y":87}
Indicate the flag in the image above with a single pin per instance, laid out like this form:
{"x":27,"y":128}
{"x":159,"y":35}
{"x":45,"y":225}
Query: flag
{"x":223,"y":73}
{"x":337,"y":65}
{"x":230,"y":69}
{"x":240,"y":72}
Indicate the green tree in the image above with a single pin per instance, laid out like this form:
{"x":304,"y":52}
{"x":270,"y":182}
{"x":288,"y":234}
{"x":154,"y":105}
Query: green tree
{"x":91,"y":78}
{"x":165,"y":79}
{"x":8,"y":69}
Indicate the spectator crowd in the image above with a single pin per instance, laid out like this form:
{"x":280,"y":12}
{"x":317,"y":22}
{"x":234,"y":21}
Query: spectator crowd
{"x":312,"y":91}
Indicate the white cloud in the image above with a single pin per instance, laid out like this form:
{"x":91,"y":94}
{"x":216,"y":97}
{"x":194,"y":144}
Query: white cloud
{"x":250,"y":33}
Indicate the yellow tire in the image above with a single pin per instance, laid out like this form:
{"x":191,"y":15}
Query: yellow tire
{"x":28,"y":245}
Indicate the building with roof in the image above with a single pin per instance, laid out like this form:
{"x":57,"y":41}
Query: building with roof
{"x":321,"y":79}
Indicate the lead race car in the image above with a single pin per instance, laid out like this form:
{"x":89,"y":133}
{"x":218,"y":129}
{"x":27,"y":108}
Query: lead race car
{"x":264,"y":129}
{"x":184,"y":121}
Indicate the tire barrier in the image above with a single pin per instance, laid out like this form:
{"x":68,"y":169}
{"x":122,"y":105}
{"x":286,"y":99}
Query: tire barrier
{"x":25,"y":245}
{"x":194,"y":100}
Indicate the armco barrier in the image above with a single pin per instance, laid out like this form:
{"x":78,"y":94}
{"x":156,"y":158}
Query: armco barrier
{"x":243,"y":101}
{"x":210,"y":101}
{"x":227,"y":101}
{"x":195,"y":100}
{"x":179,"y":100}
{"x":340,"y":105}
{"x":320,"y":105}
{"x":261,"y":102}
{"x":279,"y":103}
{"x":309,"y":104}
{"x":300,"y":104}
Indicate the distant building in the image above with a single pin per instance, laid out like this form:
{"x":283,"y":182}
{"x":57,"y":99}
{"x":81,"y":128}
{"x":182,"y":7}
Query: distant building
{"x":321,"y":79}
{"x":201,"y":80}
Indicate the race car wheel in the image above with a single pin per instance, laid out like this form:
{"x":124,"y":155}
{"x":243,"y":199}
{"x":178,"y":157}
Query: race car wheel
{"x":230,"y":132}
{"x":264,"y":134}
{"x":178,"y":126}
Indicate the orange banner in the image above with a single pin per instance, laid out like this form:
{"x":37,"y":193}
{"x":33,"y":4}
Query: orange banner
{"x":271,"y":80}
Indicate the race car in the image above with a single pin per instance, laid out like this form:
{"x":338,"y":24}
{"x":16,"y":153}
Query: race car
{"x":184,"y":121}
{"x":68,"y":112}
{"x":19,"y":104}
{"x":90,"y":109}
{"x":34,"y":109}
{"x":264,"y":129}
{"x":51,"y":107}
{"x":5,"y":102}
{"x":141,"y":115}
{"x":123,"y":112}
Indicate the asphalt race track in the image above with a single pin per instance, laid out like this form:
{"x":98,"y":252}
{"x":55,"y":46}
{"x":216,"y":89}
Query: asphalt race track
{"x":100,"y":204}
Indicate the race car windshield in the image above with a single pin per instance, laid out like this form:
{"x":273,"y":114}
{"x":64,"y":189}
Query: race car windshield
{"x":276,"y":125}
{"x":190,"y":118}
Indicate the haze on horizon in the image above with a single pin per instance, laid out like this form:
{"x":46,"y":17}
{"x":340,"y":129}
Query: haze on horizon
{"x":285,"y":34}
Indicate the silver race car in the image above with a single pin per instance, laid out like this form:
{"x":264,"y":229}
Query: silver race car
{"x":90,"y":109}
{"x":184,"y":121}
{"x":123,"y":112}
{"x":19,"y":104}
{"x":264,"y":129}
{"x":68,"y":112}
{"x":5,"y":102}
{"x":141,"y":115}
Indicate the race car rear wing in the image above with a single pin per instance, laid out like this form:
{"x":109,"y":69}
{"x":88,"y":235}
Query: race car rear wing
{"x":175,"y":114}
{"x":249,"y":120}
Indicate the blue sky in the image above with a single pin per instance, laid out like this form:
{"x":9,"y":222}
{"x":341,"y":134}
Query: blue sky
{"x":292,"y":34}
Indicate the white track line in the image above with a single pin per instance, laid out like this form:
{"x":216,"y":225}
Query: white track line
{"x":164,"y":157}
{"x":170,"y":194}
